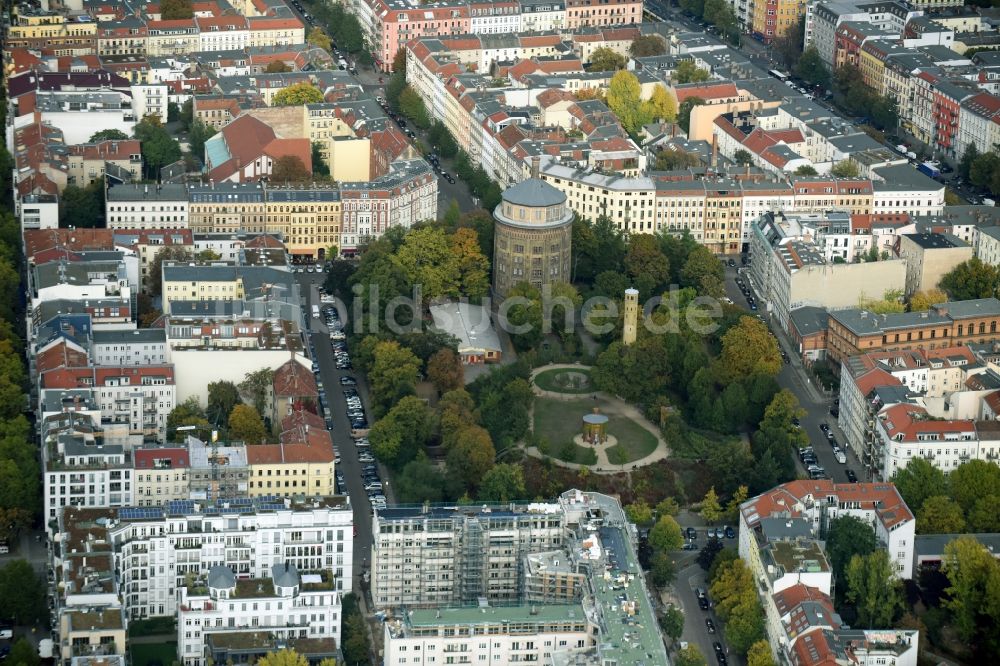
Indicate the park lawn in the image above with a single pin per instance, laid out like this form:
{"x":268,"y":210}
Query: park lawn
{"x":546,"y":380}
{"x":145,"y":654}
{"x":636,"y":440}
{"x":559,"y":421}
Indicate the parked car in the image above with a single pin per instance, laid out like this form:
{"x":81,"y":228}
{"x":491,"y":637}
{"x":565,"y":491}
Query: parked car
{"x":692,"y":533}
{"x":709,"y":625}
{"x":730,"y":532}
{"x":689,"y":546}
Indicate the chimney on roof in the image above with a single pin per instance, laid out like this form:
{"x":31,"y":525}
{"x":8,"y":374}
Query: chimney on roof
{"x":536,"y":166}
{"x":715,"y":152}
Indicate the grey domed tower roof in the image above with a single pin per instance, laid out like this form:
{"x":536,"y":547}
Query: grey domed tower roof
{"x":534,"y":193}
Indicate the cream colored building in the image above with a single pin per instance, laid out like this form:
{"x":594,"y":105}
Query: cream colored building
{"x":161,"y":475}
{"x":350,"y":159}
{"x":87,"y":632}
{"x":988,"y":245}
{"x":929,"y":257}
{"x":182,"y":282}
{"x":296,"y":469}
{"x":629,"y":202}
{"x":62,"y":35}
{"x":171,"y":38}
{"x":226,"y":207}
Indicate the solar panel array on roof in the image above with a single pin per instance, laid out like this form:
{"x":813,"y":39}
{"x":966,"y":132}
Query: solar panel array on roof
{"x":140,"y":513}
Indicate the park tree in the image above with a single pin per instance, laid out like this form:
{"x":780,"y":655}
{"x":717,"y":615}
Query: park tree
{"x":972,"y":481}
{"x":472,"y":266}
{"x":625,"y":101}
{"x":919,"y":480}
{"x":426,"y":259}
{"x":668,"y":506}
{"x":690,"y":656}
{"x":971,"y":279}
{"x":874,"y":589}
{"x":524,"y":315}
{"x":759,"y":654}
{"x":319,"y":38}
{"x":246,"y":424}
{"x":223,"y":396}
{"x":471,"y":456}
{"x":848,"y":536}
{"x":732,"y":587}
{"x":646,"y":264}
{"x":289,"y":169}
{"x":503,"y":483}
{"x":688,"y":72}
{"x":711,"y":510}
{"x":287,"y":657}
{"x":806,"y":170}
{"x":639,"y":512}
{"x":171,"y":10}
{"x":604,"y":59}
{"x":983,"y":171}
{"x":662,"y":104}
{"x":811,"y":68}
{"x":748,"y":349}
{"x":158,"y":148}
{"x":394,"y":373}
{"x":845,"y":169}
{"x":108,"y":135}
{"x":940,"y":515}
{"x":663,"y":568}
{"x":922,"y":301}
{"x":23,"y":653}
{"x":666,"y":535}
{"x":645,"y":46}
{"x":703,"y":272}
{"x":444,"y":370}
{"x":419,"y":481}
{"x":298,"y":94}
{"x":400,"y":435}
{"x":684,"y":112}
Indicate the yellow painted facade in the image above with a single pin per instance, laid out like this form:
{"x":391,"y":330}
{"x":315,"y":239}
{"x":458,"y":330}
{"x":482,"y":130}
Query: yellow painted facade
{"x":52,"y":31}
{"x":292,"y":478}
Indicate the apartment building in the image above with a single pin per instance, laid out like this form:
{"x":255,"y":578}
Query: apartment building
{"x":807,"y":260}
{"x":597,"y":609}
{"x":141,"y":346}
{"x":854,"y":331}
{"x":446,"y":556}
{"x":80,"y":468}
{"x":160,"y":475}
{"x":89,"y":635}
{"x":224,"y":617}
{"x":88,"y":162}
{"x":171,"y":37}
{"x":929,"y":257}
{"x":148,"y":243}
{"x":52,"y":33}
{"x":184,"y":282}
{"x":189,"y":537}
{"x":779,"y":529}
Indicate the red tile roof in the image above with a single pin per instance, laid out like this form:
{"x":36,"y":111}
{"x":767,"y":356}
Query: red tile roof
{"x":294,"y":380}
{"x":706,"y":91}
{"x":883,"y":498}
{"x":77,"y":240}
{"x":275,"y":454}
{"x":177,"y":458}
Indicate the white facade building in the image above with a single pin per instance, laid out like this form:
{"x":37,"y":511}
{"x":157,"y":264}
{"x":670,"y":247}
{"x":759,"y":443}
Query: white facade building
{"x":284,"y":604}
{"x":250,"y":536}
{"x":147,"y":207}
{"x":150,"y":100}
{"x":542,"y":15}
{"x":146,"y":346}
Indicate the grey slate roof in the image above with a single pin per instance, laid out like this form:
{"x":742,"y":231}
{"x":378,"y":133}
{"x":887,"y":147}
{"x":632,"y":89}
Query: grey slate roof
{"x":810,"y":319}
{"x":974,"y":308}
{"x":221,"y":577}
{"x":535,"y":193}
{"x":139,"y":335}
{"x":284,"y":575}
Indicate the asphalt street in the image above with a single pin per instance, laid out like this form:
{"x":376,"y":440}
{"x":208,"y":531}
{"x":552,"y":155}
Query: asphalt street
{"x":795,"y":378}
{"x":349,"y":464}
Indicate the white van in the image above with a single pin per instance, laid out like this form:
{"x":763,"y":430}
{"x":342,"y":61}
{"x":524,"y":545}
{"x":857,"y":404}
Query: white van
{"x":841,"y":457}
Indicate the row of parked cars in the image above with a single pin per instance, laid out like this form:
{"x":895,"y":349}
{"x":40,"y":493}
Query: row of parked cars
{"x":369,"y":473}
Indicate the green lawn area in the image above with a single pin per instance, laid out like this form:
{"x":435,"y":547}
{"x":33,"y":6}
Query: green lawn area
{"x":151,"y":654}
{"x":558,"y":421}
{"x":632,"y":437}
{"x":549,"y":380}
{"x":154,"y":626}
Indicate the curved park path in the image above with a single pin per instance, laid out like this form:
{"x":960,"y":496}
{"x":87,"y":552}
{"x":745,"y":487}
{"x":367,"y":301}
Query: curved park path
{"x":611,"y":406}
